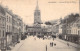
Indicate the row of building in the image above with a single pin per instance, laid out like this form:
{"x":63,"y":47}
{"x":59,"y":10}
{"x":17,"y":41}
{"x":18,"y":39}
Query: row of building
{"x":11,"y":28}
{"x":71,"y":28}
{"x":68,"y":28}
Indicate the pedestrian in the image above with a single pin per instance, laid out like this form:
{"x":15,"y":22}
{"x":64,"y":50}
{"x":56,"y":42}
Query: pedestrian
{"x":34,"y":38}
{"x":53,"y":39}
{"x":43,"y":38}
{"x":52,"y":44}
{"x":55,"y":44}
{"x":46,"y":47}
{"x":68,"y":44}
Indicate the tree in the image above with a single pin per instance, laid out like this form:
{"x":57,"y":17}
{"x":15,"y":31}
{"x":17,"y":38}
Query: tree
{"x":76,"y":15}
{"x":48,"y":23}
{"x":70,"y":18}
{"x":40,"y":23}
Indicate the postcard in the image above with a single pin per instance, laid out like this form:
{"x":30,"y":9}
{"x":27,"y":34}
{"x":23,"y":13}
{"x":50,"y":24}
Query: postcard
{"x":39,"y":25}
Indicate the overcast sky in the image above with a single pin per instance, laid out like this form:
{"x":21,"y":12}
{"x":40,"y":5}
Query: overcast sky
{"x":50,"y":9}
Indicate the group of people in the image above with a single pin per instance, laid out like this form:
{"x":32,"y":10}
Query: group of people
{"x":51,"y":44}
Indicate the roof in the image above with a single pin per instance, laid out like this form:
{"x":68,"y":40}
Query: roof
{"x":2,"y":10}
{"x":76,"y":21}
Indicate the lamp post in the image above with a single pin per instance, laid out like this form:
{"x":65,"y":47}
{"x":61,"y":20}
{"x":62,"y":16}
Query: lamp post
{"x":46,"y":47}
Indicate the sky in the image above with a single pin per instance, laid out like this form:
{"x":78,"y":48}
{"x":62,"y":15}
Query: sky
{"x":50,"y":9}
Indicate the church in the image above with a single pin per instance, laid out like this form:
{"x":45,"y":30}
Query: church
{"x":36,"y":28}
{"x":37,"y":20}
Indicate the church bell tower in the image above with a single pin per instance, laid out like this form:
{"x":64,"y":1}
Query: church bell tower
{"x":37,"y":17}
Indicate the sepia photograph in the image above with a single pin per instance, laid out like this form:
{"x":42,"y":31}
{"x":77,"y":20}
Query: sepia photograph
{"x":39,"y":25}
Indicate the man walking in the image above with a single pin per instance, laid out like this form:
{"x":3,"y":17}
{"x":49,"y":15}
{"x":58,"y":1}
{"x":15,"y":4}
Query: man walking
{"x":46,"y":47}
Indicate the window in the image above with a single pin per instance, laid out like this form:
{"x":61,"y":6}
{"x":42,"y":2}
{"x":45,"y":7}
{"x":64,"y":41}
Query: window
{"x":79,"y":32}
{"x":3,"y":23}
{"x":7,"y":18}
{"x":0,"y":21}
{"x":7,"y":28}
{"x":3,"y":33}
{"x":0,"y":33}
{"x":70,"y":31}
{"x":38,"y":13}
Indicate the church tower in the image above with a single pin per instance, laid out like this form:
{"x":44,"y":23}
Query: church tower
{"x":37,"y":17}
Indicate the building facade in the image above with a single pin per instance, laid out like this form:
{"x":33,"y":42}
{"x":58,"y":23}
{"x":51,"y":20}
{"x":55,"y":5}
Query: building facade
{"x":73,"y":31}
{"x":17,"y":28}
{"x":11,"y":28}
{"x":78,"y":30}
{"x":8,"y":26}
{"x":20,"y":27}
{"x":2,"y":28}
{"x":70,"y":28}
{"x":24,"y":28}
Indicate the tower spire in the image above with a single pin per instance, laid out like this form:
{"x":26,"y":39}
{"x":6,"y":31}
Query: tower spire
{"x":37,"y":2}
{"x":37,"y":7}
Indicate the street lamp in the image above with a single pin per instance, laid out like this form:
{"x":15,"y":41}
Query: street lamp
{"x":46,"y":47}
